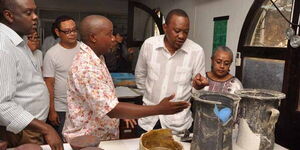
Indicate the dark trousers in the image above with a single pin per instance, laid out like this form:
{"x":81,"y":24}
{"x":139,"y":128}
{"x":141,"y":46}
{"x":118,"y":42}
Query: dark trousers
{"x":140,"y":131}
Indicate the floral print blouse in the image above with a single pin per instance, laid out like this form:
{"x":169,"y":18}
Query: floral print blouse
{"x":230,"y":86}
{"x":90,"y":96}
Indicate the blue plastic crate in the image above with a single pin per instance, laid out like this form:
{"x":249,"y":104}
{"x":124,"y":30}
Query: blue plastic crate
{"x":118,"y":77}
{"x":122,"y":75}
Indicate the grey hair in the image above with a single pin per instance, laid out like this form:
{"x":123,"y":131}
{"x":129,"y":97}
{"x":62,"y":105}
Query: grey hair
{"x":223,"y":48}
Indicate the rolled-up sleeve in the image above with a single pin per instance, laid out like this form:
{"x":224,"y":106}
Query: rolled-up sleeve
{"x":12,"y":115}
{"x":141,"y":67}
{"x":199,"y":66}
{"x":199,"y":63}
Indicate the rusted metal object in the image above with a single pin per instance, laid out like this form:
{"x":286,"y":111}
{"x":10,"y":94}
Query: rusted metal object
{"x":84,"y":141}
{"x":210,"y":132}
{"x":91,"y":148}
{"x":259,"y":108}
{"x":160,"y":139}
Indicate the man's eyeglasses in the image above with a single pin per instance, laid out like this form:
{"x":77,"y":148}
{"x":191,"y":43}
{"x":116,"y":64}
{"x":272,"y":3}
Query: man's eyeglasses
{"x":68,"y":31}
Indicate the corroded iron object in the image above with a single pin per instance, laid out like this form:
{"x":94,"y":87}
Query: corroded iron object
{"x":259,"y":108}
{"x":210,"y":133}
{"x":84,"y":141}
{"x":160,"y":139}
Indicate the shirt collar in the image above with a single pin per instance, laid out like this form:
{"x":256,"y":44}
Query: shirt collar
{"x":89,"y":50}
{"x":161,"y":44}
{"x":12,"y":35}
{"x":86,"y":48}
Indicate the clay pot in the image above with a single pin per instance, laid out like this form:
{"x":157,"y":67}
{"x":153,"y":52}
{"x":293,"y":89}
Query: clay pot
{"x":160,"y":139}
{"x":84,"y":141}
{"x":159,"y":148}
{"x":91,"y":148}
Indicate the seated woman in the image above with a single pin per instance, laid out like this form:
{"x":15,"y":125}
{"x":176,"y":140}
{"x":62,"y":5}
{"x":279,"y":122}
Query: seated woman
{"x":219,"y":78}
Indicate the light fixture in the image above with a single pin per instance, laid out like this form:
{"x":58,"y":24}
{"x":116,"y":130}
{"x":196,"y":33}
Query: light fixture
{"x":295,"y":41}
{"x":290,"y":32}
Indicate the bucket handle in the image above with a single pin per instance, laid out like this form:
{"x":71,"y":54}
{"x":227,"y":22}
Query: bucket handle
{"x":206,"y":101}
{"x":274,"y":114}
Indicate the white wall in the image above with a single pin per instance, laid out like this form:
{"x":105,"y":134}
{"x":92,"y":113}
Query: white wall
{"x":106,"y":6}
{"x":202,"y":12}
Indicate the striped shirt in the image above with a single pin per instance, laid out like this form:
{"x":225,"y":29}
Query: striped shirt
{"x":161,"y":74}
{"x":23,"y":93}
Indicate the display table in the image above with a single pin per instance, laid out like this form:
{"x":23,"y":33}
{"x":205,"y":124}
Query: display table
{"x":128,"y":144}
{"x":133,"y":144}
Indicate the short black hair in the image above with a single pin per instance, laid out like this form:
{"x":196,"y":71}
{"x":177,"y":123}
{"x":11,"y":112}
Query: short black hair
{"x":178,"y":12}
{"x":61,"y":19}
{"x":6,"y":5}
{"x":53,"y":27}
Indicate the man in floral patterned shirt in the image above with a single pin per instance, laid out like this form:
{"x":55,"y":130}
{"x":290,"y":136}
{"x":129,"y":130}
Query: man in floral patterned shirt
{"x":92,"y":102}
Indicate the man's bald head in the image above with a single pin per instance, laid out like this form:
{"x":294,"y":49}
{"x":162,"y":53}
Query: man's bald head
{"x":91,"y":25}
{"x":96,"y":32}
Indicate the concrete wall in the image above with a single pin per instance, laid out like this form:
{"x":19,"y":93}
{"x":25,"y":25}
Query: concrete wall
{"x":202,"y":12}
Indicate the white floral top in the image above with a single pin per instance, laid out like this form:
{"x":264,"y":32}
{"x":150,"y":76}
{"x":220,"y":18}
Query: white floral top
{"x":91,"y":95}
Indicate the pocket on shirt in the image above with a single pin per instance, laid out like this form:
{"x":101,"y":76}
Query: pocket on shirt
{"x":183,"y":75}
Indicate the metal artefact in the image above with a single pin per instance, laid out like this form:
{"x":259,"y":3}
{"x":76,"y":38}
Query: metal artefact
{"x":259,"y":108}
{"x":210,"y":132}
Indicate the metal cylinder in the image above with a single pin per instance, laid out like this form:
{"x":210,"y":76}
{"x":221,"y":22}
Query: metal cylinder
{"x":210,"y":132}
{"x":258,"y":107}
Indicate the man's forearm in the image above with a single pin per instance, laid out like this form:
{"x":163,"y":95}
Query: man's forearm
{"x":133,"y":111}
{"x":50,"y":85}
{"x":38,"y":126}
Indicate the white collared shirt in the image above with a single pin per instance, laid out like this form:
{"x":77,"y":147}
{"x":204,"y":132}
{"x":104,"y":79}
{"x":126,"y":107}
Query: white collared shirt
{"x":161,"y":74}
{"x":23,"y":92}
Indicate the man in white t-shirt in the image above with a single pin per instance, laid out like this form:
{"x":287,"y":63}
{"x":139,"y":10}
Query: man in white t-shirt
{"x":57,"y":63}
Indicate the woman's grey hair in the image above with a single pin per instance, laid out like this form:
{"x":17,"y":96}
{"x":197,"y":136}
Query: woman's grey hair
{"x":223,"y":48}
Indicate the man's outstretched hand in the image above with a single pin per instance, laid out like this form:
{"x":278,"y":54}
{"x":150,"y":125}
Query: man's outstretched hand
{"x":167,"y":107}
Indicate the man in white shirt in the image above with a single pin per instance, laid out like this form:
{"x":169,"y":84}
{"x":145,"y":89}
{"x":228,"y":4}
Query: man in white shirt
{"x":169,"y":64}
{"x":57,"y":63}
{"x":24,"y":100}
